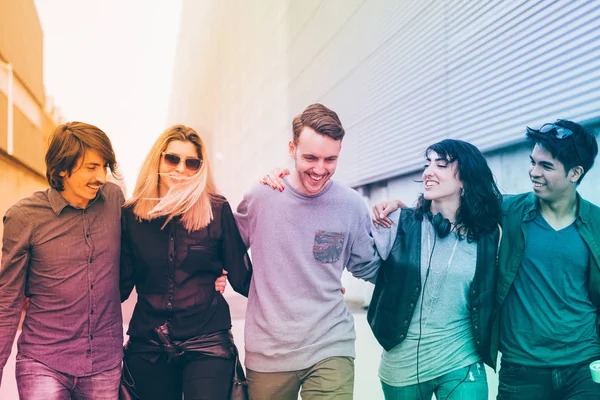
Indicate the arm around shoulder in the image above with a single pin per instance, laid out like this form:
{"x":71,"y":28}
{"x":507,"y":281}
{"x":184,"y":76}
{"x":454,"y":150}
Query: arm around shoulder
{"x":127,"y":269}
{"x":235,"y":257}
{"x":364,"y":259}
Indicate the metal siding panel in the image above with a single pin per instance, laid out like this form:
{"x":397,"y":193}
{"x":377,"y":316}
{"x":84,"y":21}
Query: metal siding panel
{"x":497,"y":67}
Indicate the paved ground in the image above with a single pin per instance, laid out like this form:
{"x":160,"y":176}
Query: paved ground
{"x":368,"y":351}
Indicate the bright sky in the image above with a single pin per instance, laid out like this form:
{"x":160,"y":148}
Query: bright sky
{"x":109,"y":63}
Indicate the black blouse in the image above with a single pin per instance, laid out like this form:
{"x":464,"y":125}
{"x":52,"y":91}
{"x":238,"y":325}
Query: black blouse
{"x":174,"y":272}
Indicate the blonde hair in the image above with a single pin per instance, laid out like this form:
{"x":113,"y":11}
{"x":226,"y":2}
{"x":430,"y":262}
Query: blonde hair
{"x":191,"y":198}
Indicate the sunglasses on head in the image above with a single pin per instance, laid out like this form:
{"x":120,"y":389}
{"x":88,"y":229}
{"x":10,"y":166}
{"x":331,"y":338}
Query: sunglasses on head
{"x":191,"y":163}
{"x":560,"y":132}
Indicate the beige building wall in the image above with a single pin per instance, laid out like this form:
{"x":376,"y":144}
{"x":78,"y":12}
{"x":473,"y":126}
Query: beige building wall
{"x":25,"y":121}
{"x":21,"y":44}
{"x":16,"y":182}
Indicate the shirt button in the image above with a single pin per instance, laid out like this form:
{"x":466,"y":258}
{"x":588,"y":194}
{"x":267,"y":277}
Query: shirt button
{"x":91,"y":337}
{"x":92,"y":312}
{"x":171,"y":238}
{"x":169,"y":304}
{"x":91,"y":260}
{"x":87,"y":235}
{"x":92,"y":286}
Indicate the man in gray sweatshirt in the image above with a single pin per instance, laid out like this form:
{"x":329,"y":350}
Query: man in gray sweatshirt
{"x":299,"y":333}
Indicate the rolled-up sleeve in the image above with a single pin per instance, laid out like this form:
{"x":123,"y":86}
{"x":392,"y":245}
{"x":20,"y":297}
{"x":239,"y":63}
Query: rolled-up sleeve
{"x":385,"y":237}
{"x":364,"y":260}
{"x":16,"y":244}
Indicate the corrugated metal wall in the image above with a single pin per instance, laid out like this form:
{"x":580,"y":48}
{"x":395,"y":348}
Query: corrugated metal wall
{"x":401,"y":74}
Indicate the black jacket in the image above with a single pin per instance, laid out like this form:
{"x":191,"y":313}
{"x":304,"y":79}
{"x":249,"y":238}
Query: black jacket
{"x":399,"y":284}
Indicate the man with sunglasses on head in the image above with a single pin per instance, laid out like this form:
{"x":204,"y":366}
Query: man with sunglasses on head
{"x":548,"y":286}
{"x":548,"y":293}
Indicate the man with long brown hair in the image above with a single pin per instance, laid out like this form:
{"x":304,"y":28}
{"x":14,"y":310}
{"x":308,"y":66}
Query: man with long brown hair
{"x":61,"y":248}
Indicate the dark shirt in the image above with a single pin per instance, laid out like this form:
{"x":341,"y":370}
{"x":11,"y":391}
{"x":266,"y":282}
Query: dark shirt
{"x":66,"y":260}
{"x":174,"y":272}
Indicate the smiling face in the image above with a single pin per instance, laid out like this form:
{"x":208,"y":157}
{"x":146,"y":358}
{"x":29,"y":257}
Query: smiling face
{"x":170,"y":175}
{"x":551,"y":182}
{"x":440,"y":179}
{"x":82,"y":184}
{"x":315,"y":158}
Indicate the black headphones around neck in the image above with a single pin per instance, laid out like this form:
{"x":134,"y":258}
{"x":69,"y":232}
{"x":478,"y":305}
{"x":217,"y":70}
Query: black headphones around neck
{"x":442,"y":226}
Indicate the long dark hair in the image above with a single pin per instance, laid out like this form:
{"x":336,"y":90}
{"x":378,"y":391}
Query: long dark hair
{"x":480,"y":204}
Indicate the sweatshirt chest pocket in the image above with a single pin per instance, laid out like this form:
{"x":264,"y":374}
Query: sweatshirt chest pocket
{"x":328,"y":246}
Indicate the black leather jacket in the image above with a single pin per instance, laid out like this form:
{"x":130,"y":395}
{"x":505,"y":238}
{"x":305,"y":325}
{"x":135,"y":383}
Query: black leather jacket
{"x":399,"y":284}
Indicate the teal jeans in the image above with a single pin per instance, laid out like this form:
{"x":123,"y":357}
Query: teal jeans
{"x":468,"y":383}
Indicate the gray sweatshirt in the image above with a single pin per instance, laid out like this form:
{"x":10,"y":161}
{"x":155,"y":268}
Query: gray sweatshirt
{"x":300,"y":245}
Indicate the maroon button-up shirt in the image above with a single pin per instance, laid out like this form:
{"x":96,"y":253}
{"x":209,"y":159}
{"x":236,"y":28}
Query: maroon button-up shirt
{"x":66,"y":260}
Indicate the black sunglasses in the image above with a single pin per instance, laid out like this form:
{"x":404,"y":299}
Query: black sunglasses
{"x":560,"y":132}
{"x":191,"y":163}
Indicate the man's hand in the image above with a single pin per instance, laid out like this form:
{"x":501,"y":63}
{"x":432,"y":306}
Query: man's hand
{"x":383,"y":209}
{"x":274,"y":180}
{"x":221,"y":282}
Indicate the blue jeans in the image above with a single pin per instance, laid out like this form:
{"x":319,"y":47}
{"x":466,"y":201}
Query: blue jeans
{"x":517,"y":382}
{"x":36,"y":381}
{"x":468,"y":383}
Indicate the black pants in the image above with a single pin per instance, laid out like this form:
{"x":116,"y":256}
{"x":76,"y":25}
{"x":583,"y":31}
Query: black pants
{"x":197,"y":377}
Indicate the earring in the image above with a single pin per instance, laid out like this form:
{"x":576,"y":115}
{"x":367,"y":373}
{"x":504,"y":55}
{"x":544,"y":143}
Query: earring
{"x":462,"y":192}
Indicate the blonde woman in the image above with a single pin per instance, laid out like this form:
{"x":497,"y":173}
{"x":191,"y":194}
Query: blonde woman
{"x":177,"y":236}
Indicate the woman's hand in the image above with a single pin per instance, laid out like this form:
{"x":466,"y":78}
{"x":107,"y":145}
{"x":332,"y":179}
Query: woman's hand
{"x":221,"y":282}
{"x":383,"y":209}
{"x":274,"y":178}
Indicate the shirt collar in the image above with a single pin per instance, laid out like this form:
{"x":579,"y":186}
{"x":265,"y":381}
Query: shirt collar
{"x":583,"y":208}
{"x":58,"y":202}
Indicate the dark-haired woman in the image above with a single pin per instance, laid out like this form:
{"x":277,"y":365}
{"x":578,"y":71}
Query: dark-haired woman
{"x":432,"y":309}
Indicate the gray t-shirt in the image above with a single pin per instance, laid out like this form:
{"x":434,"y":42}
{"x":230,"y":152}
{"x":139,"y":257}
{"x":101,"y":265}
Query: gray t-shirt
{"x":447,"y":341}
{"x":296,"y":315}
{"x":548,"y":318}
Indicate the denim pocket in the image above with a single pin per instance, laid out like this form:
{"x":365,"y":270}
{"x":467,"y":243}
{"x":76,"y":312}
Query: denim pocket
{"x":328,"y":246}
